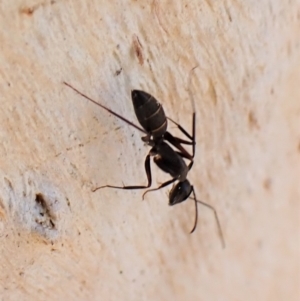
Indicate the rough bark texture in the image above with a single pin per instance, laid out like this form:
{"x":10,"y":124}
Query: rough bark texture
{"x":60,"y":241}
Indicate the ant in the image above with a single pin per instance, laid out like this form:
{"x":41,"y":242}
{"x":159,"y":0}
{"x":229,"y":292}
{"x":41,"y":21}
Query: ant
{"x":154,"y":122}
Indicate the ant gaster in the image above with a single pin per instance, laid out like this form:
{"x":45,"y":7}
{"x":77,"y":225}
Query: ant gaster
{"x":152,"y":118}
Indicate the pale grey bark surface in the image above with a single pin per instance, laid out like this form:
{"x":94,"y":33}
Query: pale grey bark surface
{"x":60,"y":241}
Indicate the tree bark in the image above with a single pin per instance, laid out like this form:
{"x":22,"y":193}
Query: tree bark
{"x":61,"y":241}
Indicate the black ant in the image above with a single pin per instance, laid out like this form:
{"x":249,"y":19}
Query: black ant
{"x":154,"y":122}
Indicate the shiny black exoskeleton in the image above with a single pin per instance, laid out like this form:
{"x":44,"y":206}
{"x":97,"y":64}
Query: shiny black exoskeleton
{"x":149,"y":113}
{"x":154,"y":122}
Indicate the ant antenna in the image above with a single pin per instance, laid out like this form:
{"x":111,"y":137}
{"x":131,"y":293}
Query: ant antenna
{"x":215,"y":213}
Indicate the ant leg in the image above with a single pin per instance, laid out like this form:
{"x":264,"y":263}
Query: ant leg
{"x":194,"y":133}
{"x":148,"y":173}
{"x":182,"y":130}
{"x":177,"y":141}
{"x":190,"y":165}
{"x":105,"y":108}
{"x":160,"y":186}
{"x":194,"y":111}
{"x":215,"y":213}
{"x":186,"y":157}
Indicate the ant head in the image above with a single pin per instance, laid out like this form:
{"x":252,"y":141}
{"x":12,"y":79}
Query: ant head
{"x":180,"y":192}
